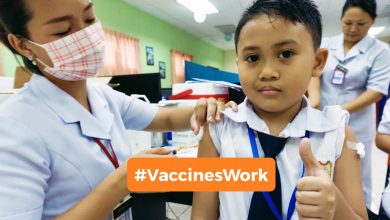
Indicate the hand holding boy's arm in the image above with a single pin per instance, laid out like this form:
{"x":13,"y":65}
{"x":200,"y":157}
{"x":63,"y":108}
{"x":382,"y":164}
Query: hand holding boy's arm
{"x":208,"y":111}
{"x":318,"y":196}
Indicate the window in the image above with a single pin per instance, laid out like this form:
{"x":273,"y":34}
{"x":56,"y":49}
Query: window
{"x":122,"y":54}
{"x":178,"y":68}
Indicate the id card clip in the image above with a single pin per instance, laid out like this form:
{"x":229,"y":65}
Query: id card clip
{"x":338,"y":76}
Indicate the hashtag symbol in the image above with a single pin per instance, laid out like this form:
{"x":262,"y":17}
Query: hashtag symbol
{"x":140,"y":175}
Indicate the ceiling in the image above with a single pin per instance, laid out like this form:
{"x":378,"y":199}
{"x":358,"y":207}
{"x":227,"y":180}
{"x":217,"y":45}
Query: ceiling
{"x":230,"y":12}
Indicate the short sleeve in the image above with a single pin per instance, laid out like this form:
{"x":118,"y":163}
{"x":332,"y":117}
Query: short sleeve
{"x":24,"y":172}
{"x":335,"y":114}
{"x":215,"y":134}
{"x":384,"y":125}
{"x":379,"y":75}
{"x":136,"y":114}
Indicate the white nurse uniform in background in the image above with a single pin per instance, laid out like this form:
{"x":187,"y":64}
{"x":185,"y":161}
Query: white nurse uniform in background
{"x":368,"y":65}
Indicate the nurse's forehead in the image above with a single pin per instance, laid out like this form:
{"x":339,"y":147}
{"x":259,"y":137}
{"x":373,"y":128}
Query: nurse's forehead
{"x":47,"y":10}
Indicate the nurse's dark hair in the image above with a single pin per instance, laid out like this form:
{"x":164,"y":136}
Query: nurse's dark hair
{"x":296,"y":11}
{"x":14,"y":17}
{"x":368,"y":6}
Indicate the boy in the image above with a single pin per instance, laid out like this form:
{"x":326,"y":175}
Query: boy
{"x":277,"y":45}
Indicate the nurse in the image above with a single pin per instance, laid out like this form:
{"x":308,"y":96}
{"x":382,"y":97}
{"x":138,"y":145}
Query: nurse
{"x":63,"y":140}
{"x":356,"y":76}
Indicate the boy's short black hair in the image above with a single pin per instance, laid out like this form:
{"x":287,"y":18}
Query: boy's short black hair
{"x":368,"y":6}
{"x":296,"y":11}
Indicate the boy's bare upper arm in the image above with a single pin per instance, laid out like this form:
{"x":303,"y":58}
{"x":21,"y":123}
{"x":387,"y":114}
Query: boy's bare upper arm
{"x":347,"y":176}
{"x":205,"y":205}
{"x":206,"y":145}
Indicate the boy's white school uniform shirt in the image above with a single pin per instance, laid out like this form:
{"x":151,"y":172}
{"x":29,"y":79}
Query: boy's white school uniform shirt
{"x":230,"y":137}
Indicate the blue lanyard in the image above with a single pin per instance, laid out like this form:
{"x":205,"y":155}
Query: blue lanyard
{"x":267,"y":197}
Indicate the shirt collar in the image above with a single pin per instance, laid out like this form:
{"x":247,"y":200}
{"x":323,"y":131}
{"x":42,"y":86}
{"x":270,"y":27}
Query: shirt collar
{"x":364,"y":44}
{"x":97,"y":125}
{"x":361,"y":47}
{"x":308,"y":118}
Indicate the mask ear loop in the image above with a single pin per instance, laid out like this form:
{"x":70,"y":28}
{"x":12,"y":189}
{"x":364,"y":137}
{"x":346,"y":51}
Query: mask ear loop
{"x":30,"y":57}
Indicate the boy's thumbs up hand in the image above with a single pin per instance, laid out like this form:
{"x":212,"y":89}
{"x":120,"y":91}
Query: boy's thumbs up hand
{"x":312,"y":166}
{"x":316,"y":193}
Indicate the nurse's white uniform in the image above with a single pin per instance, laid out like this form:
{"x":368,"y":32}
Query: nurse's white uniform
{"x":49,"y":160}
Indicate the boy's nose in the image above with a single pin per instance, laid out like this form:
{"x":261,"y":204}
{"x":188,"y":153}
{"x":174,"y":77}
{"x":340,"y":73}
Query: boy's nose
{"x":268,"y":74}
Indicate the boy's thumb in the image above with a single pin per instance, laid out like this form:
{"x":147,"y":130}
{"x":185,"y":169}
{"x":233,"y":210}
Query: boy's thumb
{"x":312,"y":166}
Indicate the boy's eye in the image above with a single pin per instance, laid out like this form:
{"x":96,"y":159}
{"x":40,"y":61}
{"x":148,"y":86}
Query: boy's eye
{"x":252,"y":58}
{"x":286,"y":54}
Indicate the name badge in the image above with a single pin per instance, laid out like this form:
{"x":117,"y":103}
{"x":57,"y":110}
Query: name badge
{"x":339,"y":75}
{"x":122,"y":211}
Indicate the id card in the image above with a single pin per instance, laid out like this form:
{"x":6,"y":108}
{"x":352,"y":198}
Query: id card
{"x":339,"y":75}
{"x":122,"y":211}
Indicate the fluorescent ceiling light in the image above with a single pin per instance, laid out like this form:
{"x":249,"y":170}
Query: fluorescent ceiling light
{"x":199,"y":17}
{"x":199,"y":6}
{"x":375,"y":30}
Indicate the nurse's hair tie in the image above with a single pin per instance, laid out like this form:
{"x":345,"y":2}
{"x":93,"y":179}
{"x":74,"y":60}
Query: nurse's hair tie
{"x":359,"y":147}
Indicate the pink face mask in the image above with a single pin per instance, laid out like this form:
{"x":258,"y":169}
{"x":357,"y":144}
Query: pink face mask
{"x":77,"y":56}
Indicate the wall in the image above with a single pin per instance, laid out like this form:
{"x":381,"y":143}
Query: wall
{"x":230,"y":61}
{"x":156,"y":33}
{"x":120,"y":16}
{"x":385,"y":39}
{"x":9,"y":61}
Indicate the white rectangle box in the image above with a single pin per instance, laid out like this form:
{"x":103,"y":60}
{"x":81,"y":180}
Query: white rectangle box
{"x":199,"y":88}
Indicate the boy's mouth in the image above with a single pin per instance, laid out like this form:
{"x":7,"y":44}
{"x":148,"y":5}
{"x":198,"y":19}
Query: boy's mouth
{"x":269,"y":90}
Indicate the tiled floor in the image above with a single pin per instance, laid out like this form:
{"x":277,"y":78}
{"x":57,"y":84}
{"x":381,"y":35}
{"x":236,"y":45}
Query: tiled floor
{"x":379,"y":161}
{"x":178,"y":212}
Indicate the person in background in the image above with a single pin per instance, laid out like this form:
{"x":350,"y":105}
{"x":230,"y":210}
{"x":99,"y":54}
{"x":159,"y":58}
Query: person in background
{"x":63,"y":140}
{"x":275,"y":68}
{"x":356,"y":76}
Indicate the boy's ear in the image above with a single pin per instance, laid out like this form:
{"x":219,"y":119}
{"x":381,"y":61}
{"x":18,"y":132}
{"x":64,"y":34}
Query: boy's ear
{"x":320,"y":61}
